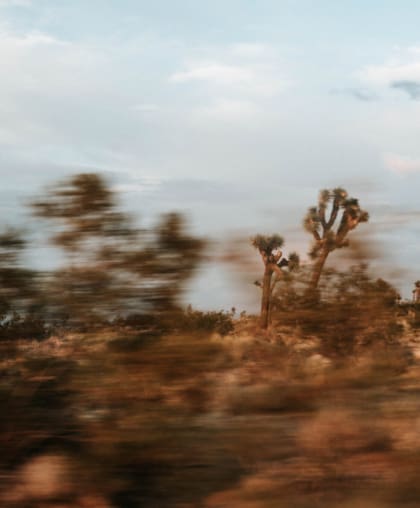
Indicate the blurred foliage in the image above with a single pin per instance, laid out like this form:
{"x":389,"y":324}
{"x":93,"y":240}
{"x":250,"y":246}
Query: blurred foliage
{"x":186,"y":419}
{"x":221,"y":322}
{"x":355,"y":309}
{"x":18,"y":326}
{"x":18,"y":289}
{"x":112,"y":267}
{"x":123,"y":399}
{"x":189,"y":320}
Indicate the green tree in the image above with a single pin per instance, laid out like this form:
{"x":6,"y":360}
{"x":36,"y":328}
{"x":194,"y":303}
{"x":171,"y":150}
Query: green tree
{"x":330,"y":223}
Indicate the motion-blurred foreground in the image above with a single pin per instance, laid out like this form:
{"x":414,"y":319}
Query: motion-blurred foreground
{"x":113,"y":395}
{"x":146,"y":418}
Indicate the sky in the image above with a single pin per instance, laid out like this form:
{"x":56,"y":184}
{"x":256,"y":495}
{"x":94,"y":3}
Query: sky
{"x":235,"y":112}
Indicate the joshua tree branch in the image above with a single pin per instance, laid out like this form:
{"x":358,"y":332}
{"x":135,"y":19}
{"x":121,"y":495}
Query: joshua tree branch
{"x":334,"y":213}
{"x":316,"y":235}
{"x":322,"y":216}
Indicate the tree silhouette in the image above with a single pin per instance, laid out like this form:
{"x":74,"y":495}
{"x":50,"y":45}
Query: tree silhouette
{"x":161,"y":266}
{"x":84,"y":223}
{"x":329,"y":223}
{"x":269,"y":249}
{"x":84,"y":209}
{"x":17,"y":288}
{"x":112,"y":267}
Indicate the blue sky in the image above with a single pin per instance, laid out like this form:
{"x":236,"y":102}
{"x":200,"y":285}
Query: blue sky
{"x":236,"y":112}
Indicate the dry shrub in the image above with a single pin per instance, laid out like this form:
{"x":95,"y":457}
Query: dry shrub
{"x":334,"y":432}
{"x":355,"y":311}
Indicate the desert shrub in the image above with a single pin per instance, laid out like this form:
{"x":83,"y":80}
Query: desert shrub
{"x":413,"y":312}
{"x":212,"y":321}
{"x":138,"y":320}
{"x":355,"y":310}
{"x":265,"y":399}
{"x":23,"y":327}
{"x":133,"y":343}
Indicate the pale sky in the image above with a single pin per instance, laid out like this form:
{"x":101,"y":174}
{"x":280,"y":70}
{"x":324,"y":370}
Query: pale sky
{"x":237,"y":112}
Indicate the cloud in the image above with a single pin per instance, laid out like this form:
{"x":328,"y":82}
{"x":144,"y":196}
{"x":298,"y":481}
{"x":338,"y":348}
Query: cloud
{"x":56,"y":95}
{"x":411,"y":88}
{"x":251,"y":69}
{"x":227,"y":110}
{"x":391,"y":73}
{"x":132,"y":182}
{"x":400,"y":164}
{"x":361,"y":94}
{"x":401,"y":72}
{"x":39,"y":63}
{"x":254,"y":79}
{"x":216,"y":73}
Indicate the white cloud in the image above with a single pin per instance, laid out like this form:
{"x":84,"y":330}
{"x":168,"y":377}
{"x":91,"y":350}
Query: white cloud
{"x":40,"y":64}
{"x":403,"y":65}
{"x":247,"y":69}
{"x":227,"y":110}
{"x":216,"y":73}
{"x":246,"y":79}
{"x":389,"y":73}
{"x":414,"y":49}
{"x":401,"y":164}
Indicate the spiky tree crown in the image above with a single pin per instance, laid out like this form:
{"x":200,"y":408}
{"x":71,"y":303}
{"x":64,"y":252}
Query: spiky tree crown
{"x":267,"y":243}
{"x":321,"y":220}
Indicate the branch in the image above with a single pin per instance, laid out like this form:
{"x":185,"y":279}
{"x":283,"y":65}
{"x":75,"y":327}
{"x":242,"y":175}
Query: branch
{"x":344,"y":228}
{"x":334,"y":213}
{"x":316,"y":235}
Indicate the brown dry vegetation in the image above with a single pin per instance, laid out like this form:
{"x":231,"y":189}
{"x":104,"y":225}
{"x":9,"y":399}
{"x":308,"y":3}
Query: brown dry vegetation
{"x":126,"y":418}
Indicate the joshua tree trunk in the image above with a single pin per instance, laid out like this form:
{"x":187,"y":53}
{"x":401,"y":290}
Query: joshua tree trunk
{"x":266,"y":297}
{"x":317,"y":270}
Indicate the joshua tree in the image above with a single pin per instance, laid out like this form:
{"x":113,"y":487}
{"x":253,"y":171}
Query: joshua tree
{"x":329,"y":223}
{"x":269,"y":248}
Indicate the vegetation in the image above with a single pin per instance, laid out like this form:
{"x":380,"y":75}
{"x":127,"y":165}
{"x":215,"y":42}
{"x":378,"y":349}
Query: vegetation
{"x":269,"y":249}
{"x":330,"y":223}
{"x":111,"y":267}
{"x":116,"y":396}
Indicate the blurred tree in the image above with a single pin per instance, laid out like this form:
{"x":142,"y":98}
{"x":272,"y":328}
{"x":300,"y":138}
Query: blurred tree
{"x":17,"y":288}
{"x":85,"y":222}
{"x":330,"y":232}
{"x":85,"y":212}
{"x":269,"y":248}
{"x":113,"y":267}
{"x":163,"y":264}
